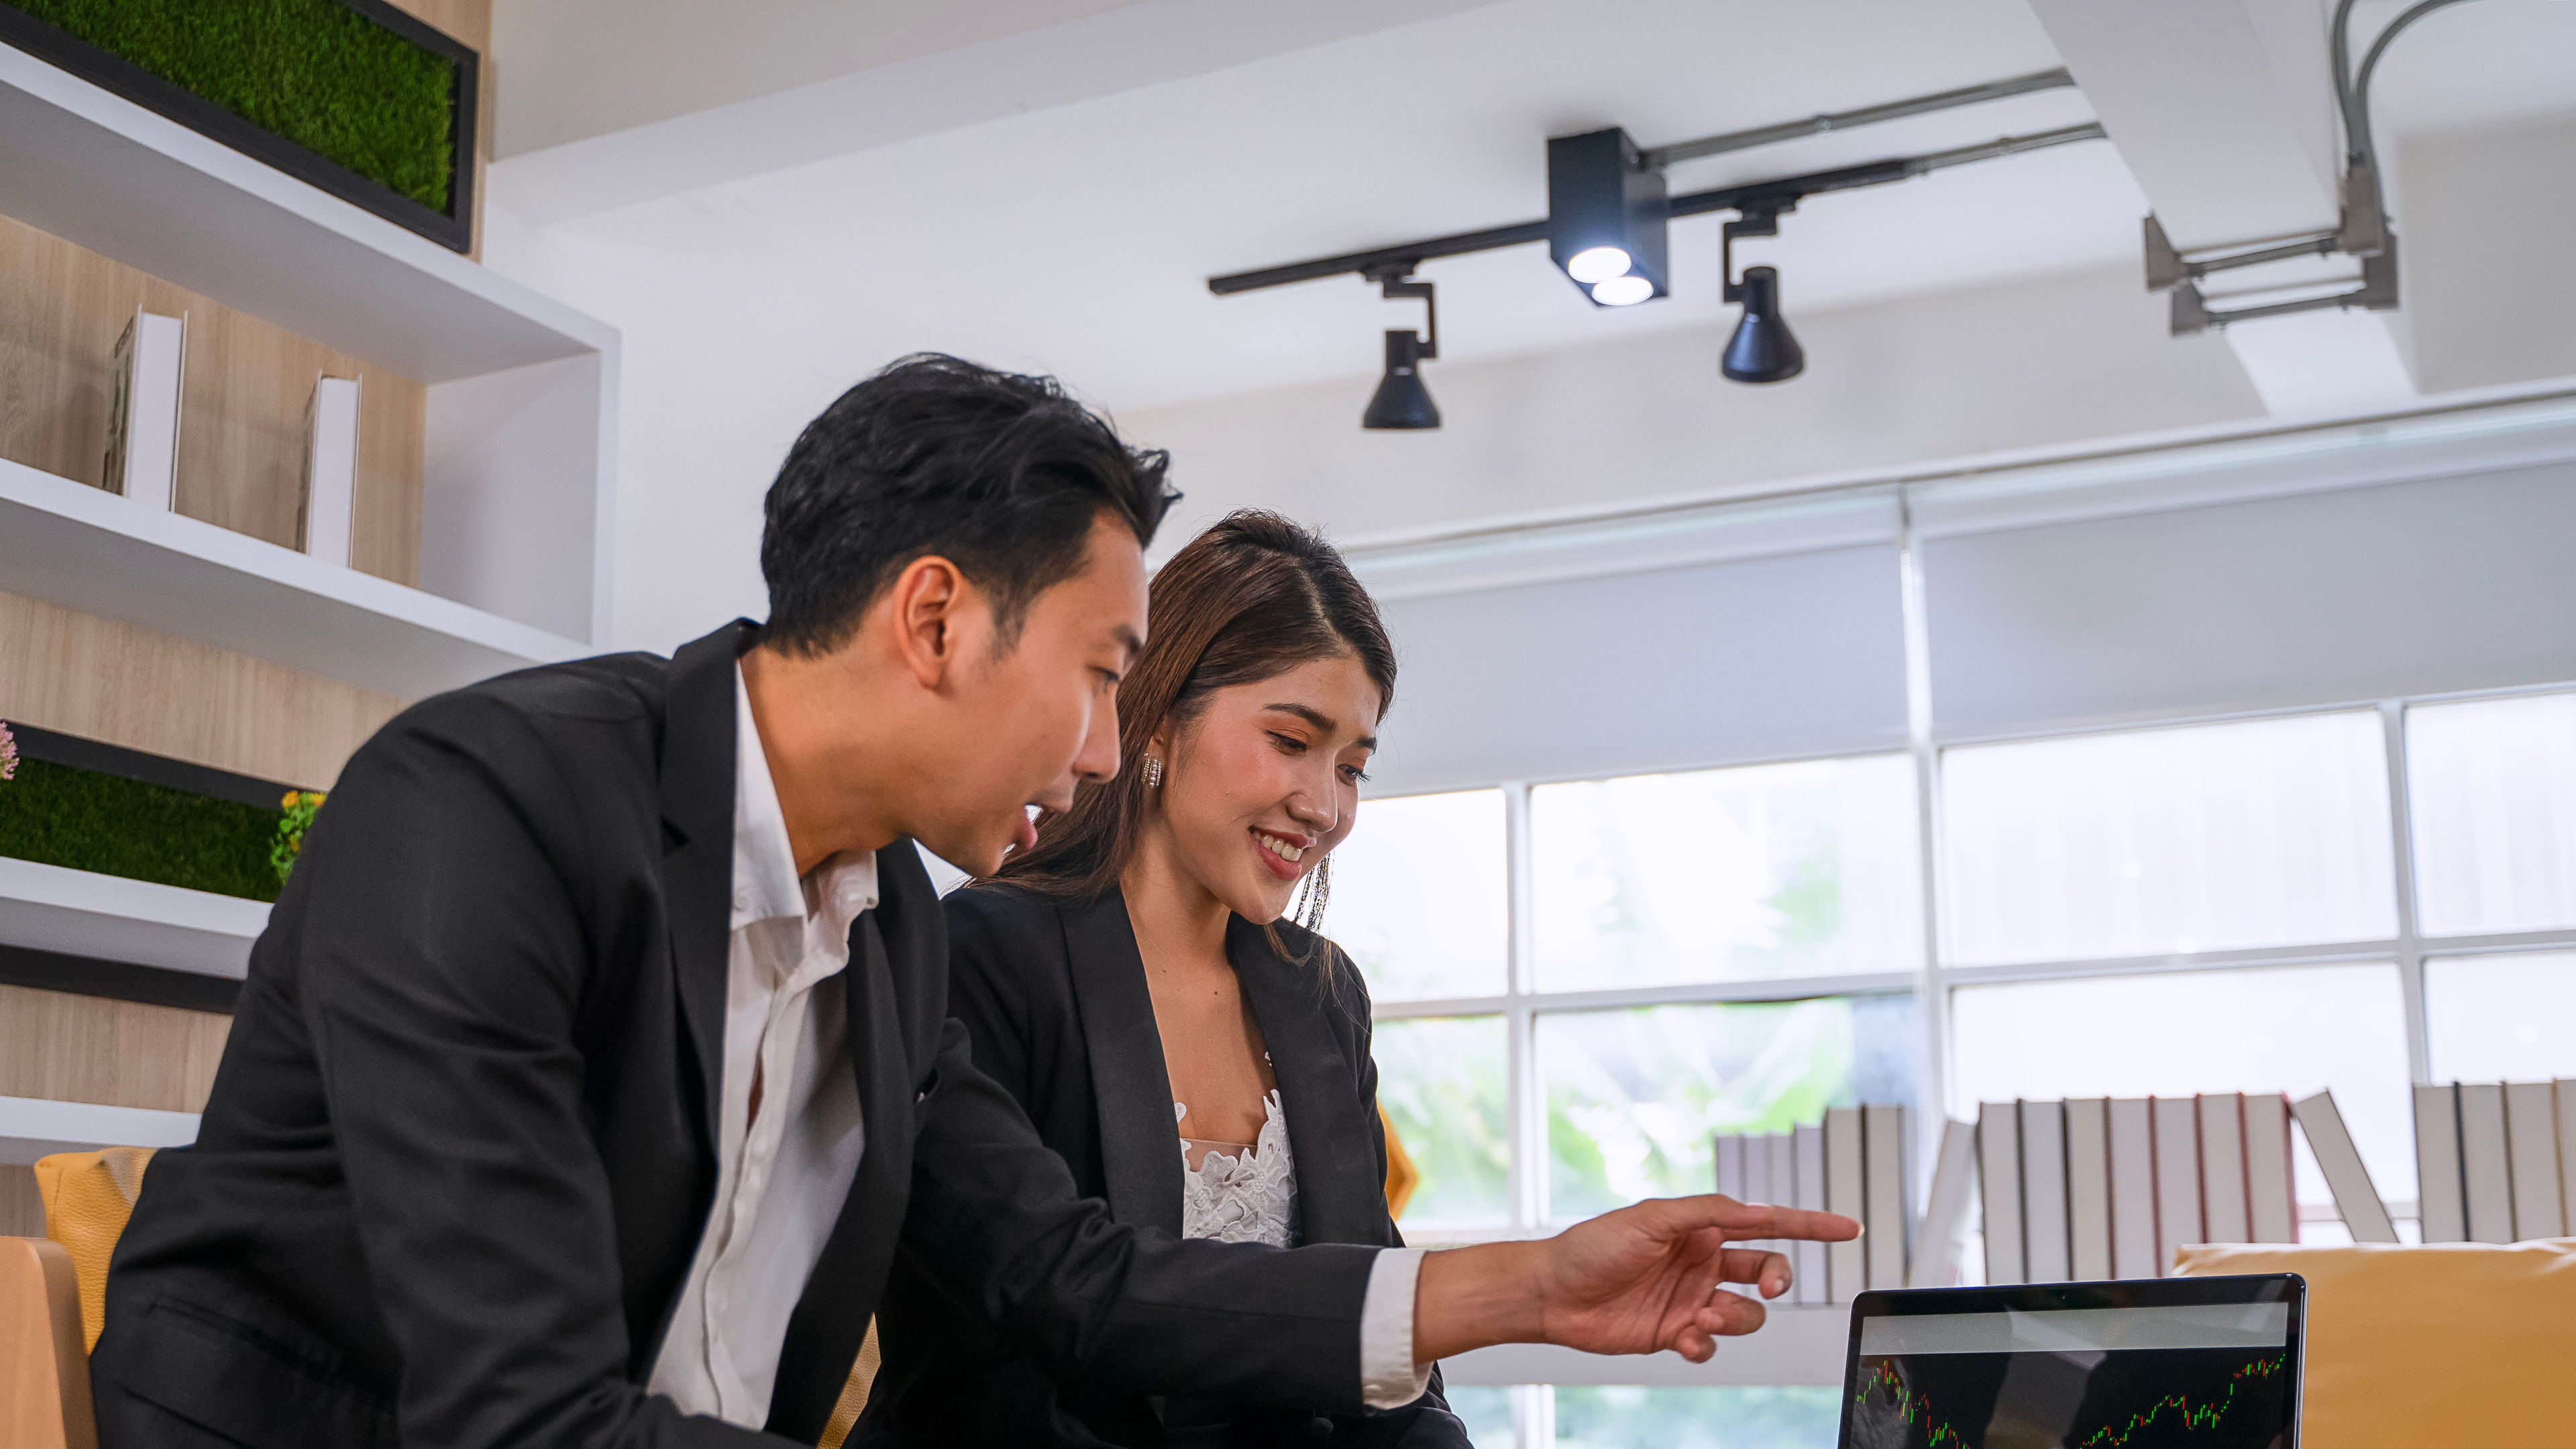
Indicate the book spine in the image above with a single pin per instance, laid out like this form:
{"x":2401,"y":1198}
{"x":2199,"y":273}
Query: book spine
{"x":2088,"y":1188}
{"x":1730,"y":1166}
{"x":2484,"y":1168}
{"x":2531,"y":1150}
{"x":1847,"y":1193}
{"x":1999,"y":1185}
{"x":2133,"y":1187}
{"x":1757,"y":1178}
{"x":1810,"y":1257}
{"x":2365,"y":1216}
{"x":2566,"y":1094}
{"x":143,"y":415}
{"x":2225,"y":1213}
{"x":2441,"y":1201}
{"x":1883,"y":1132}
{"x":2043,"y":1192}
{"x":2178,"y":1222}
{"x":1945,"y":1208}
{"x":1783,"y":1147}
{"x":330,"y":470}
{"x":2271,"y":1194}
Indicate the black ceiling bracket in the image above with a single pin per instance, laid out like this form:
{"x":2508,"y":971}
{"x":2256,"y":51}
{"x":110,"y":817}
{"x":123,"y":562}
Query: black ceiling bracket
{"x":1755,"y":221}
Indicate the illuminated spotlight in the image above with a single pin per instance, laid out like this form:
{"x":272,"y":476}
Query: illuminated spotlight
{"x":1401,"y":402}
{"x":1606,"y":218}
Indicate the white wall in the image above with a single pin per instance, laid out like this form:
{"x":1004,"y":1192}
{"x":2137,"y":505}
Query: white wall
{"x":2048,"y":360}
{"x":2487,"y":233}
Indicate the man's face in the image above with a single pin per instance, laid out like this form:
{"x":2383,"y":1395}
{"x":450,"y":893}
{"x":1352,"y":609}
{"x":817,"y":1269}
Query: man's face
{"x":1030,"y":721}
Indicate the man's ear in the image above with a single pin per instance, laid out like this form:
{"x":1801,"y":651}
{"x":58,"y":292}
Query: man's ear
{"x":933,"y":608}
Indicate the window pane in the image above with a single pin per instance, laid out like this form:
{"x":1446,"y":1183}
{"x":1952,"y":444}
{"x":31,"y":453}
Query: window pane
{"x":1486,"y":1410}
{"x":1770,"y":870}
{"x":2494,"y":787}
{"x":2502,"y":1018}
{"x":2216,"y":837}
{"x":1420,"y":896}
{"x":1441,"y":1080}
{"x":1634,"y":1096}
{"x":2284,"y":1029}
{"x":1621,"y":1417}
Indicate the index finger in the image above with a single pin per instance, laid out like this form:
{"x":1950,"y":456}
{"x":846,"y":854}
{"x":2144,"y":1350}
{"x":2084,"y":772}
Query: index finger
{"x":1765,"y":1220}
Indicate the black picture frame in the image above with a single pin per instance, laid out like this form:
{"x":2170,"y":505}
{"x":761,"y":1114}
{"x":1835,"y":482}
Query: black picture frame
{"x":452,"y":228}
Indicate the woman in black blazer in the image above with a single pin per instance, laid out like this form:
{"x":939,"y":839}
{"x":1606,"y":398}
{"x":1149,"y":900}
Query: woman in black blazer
{"x":1130,"y":981}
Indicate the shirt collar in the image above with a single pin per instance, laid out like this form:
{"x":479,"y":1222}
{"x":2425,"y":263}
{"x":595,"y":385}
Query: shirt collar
{"x":764,"y":864}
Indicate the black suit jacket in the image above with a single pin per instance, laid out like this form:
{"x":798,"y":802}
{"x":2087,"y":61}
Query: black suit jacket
{"x":1055,"y":1005}
{"x":461,"y":1146}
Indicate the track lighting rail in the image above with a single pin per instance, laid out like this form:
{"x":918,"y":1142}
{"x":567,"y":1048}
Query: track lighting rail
{"x":1778,"y":195}
{"x":1680,"y":151}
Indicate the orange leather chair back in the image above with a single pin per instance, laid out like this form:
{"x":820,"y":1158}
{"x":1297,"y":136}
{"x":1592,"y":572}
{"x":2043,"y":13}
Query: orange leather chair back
{"x":44,"y":1370}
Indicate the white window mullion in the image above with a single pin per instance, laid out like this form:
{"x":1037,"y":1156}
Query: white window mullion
{"x":1528,"y":1178}
{"x":2410,"y":936}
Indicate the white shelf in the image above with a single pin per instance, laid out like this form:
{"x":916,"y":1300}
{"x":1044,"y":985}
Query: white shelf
{"x":1794,"y":1346}
{"x":83,"y":913}
{"x":87,"y":549}
{"x":33,"y":1127}
{"x":109,"y":175}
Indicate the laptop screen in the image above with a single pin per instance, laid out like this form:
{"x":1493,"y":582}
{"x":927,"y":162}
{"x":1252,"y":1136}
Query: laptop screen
{"x":2212,"y":1363}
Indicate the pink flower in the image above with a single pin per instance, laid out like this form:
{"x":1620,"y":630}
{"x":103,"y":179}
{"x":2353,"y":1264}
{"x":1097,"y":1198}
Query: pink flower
{"x":8,"y":752}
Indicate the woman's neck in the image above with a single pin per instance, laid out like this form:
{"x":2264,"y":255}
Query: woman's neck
{"x":1175,"y":918}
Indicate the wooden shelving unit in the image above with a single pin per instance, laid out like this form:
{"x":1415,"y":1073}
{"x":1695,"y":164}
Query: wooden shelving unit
{"x":83,"y":913}
{"x":33,"y":1127}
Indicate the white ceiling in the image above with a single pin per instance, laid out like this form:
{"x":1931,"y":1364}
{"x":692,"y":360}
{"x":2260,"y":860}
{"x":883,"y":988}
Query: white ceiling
{"x":1075,"y":236}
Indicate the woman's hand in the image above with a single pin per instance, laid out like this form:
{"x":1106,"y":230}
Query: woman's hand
{"x":1637,"y":1280}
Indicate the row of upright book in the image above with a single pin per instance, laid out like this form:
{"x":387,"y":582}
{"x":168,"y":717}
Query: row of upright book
{"x":2495,"y":1162}
{"x":1857,"y":1162}
{"x":144,"y":412}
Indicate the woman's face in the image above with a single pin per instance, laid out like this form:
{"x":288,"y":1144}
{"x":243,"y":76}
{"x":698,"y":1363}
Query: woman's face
{"x":1266,"y":780}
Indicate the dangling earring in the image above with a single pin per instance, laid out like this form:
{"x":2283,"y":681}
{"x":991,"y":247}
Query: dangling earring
{"x":1153,"y":773}
{"x":1309,"y":910}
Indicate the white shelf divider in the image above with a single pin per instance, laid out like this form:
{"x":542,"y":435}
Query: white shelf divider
{"x":83,"y":913}
{"x":33,"y":1127}
{"x":87,"y":549}
{"x":100,"y":171}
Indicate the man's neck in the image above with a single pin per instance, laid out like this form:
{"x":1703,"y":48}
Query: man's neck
{"x":814,"y":732}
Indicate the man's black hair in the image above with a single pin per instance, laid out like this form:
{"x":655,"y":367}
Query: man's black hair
{"x":1000,"y":474}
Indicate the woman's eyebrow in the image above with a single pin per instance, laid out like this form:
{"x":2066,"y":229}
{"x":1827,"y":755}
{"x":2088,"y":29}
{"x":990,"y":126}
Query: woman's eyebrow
{"x":1321,"y":721}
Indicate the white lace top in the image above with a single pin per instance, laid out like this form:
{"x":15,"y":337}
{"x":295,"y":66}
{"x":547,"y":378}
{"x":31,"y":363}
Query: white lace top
{"x":1250,"y":1198}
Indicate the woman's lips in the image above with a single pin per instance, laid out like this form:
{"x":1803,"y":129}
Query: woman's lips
{"x":1279,"y":867}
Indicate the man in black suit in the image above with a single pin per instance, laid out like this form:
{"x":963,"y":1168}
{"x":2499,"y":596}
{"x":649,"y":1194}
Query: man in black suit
{"x":517,"y":1142}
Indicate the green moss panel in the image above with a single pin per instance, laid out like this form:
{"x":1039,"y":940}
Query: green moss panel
{"x":84,"y":820}
{"x":312,"y":71}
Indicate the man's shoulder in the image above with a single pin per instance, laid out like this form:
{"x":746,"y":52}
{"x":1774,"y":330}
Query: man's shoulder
{"x":610,"y":692}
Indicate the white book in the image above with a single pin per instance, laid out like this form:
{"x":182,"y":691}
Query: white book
{"x":330,"y":471}
{"x":1847,"y":1193}
{"x":1890,"y":1205}
{"x":2531,"y":1149}
{"x":1757,"y":1178}
{"x":2441,"y":1204}
{"x":1810,"y":1256}
{"x":2484,"y":1170}
{"x":2566,"y":1091}
{"x":2365,"y":1216}
{"x":2043,"y":1192}
{"x":2177,"y":1179}
{"x":143,"y":410}
{"x":1783,"y":1147}
{"x":2271,"y":1193}
{"x":2133,"y":1187}
{"x":2225,"y":1214}
{"x":1945,"y":1208}
{"x":2088,"y":1188}
{"x":1999,"y":1188}
{"x":1730,"y":1166}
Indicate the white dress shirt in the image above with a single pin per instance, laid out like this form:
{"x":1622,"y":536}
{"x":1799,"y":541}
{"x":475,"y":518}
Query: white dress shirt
{"x":781,"y":1176}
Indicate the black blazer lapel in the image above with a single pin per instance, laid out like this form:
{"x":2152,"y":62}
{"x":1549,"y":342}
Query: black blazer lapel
{"x":831,"y":1316}
{"x":697,"y":830}
{"x":1140,"y":1151}
{"x":1341,"y":1190}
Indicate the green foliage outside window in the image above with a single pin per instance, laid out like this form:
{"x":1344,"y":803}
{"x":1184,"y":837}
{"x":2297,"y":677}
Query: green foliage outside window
{"x":86,"y":820}
{"x":1622,"y":1417}
{"x":313,"y":72}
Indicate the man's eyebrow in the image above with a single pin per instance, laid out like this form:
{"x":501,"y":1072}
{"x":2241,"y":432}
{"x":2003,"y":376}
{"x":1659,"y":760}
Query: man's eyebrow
{"x":1128,"y":640}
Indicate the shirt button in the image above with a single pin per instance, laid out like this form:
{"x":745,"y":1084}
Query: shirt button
{"x":741,"y":899}
{"x":1319,"y":1429}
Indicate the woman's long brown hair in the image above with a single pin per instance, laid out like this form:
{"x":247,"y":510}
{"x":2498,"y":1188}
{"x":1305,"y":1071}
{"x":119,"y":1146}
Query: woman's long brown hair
{"x":1248,"y":600}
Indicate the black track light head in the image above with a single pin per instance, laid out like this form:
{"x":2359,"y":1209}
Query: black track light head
{"x":1762,"y":349}
{"x":1401,"y":401}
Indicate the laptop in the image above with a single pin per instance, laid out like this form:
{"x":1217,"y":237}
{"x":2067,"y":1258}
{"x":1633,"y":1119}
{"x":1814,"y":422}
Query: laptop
{"x":2209,"y":1363}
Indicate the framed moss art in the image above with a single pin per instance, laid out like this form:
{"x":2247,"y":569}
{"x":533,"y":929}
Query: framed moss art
{"x":84,"y":805}
{"x":353,"y":96}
